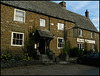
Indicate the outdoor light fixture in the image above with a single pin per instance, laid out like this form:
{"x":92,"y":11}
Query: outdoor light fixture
{"x":53,"y":36}
{"x":33,"y":33}
{"x":52,"y":24}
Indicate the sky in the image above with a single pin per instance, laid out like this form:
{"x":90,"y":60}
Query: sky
{"x":80,"y":8}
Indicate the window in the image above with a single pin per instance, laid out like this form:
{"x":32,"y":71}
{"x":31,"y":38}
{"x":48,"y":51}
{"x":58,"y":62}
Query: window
{"x":80,"y":32}
{"x":92,"y":35}
{"x":17,"y":39}
{"x":60,"y":26}
{"x":60,"y":42}
{"x":92,"y":47}
{"x":42,"y":22}
{"x":19,"y":15}
{"x":80,"y":46}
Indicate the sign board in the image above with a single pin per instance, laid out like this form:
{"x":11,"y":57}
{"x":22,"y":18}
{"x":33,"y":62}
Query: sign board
{"x":86,"y":40}
{"x":80,"y":40}
{"x":90,"y":41}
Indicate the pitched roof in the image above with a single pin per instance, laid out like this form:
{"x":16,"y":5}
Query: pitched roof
{"x":55,"y":10}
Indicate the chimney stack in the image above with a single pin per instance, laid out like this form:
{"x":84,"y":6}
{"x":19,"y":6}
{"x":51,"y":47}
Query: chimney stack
{"x":63,"y":4}
{"x":87,"y":14}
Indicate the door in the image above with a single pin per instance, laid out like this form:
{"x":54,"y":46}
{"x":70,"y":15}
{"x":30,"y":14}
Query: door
{"x":42,"y":46}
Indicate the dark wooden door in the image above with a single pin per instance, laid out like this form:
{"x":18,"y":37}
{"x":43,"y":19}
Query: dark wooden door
{"x":42,"y":46}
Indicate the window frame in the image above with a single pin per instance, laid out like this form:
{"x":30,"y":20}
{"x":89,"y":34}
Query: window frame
{"x":13,"y":38}
{"x":61,"y":26}
{"x":58,"y":42}
{"x":93,"y":47}
{"x":92,"y":35}
{"x":80,"y":35}
{"x":82,"y":45}
{"x":43,"y":23}
{"x":19,"y":16}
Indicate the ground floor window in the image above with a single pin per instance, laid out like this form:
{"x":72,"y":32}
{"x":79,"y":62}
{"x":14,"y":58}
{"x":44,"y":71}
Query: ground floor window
{"x":17,"y":39}
{"x":80,"y":45}
{"x":92,"y":47}
{"x":60,"y":42}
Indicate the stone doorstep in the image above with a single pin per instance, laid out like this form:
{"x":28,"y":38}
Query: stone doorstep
{"x":64,"y":62}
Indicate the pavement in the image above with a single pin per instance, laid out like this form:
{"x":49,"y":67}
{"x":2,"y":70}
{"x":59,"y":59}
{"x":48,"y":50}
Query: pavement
{"x":55,"y":69}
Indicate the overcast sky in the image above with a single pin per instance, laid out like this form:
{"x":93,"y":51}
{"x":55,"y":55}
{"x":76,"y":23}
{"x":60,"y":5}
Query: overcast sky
{"x":81,"y":6}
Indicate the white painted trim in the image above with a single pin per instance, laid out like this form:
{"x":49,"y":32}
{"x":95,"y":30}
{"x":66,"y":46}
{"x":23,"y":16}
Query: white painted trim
{"x":57,"y":42}
{"x":12,"y":39}
{"x":21,"y":11}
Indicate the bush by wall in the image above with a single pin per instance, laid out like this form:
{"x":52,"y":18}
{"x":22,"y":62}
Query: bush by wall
{"x":75,"y":52}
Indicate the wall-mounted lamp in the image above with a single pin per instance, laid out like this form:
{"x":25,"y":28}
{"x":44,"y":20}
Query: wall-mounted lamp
{"x":53,"y":36}
{"x":33,"y":33}
{"x":52,"y":24}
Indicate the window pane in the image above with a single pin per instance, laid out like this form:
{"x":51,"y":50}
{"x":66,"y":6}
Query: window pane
{"x":17,"y":42}
{"x":59,"y":45}
{"x":59,"y":40}
{"x":14,"y":41}
{"x":17,"y":36}
{"x":14,"y":35}
{"x":21,"y":19}
{"x":20,"y":42}
{"x":42,"y":22}
{"x":78,"y":45}
{"x":21,"y":36}
{"x":19,"y":13}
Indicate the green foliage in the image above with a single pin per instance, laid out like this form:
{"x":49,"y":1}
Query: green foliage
{"x":27,"y":57}
{"x":75,"y":52}
{"x":29,"y":45}
{"x":17,"y":58}
{"x":7,"y":56}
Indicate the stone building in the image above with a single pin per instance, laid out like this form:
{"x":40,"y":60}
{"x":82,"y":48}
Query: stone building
{"x":51,"y":20}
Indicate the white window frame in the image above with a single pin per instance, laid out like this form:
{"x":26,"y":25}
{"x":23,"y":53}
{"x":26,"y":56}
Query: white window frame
{"x":92,"y":46}
{"x":80,"y":44}
{"x":60,"y":25}
{"x":80,"y":33}
{"x":43,"y":24}
{"x":58,"y":42}
{"x":92,"y":35}
{"x":19,"y":16}
{"x":12,"y":39}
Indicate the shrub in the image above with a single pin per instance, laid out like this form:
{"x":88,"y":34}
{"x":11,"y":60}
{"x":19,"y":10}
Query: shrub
{"x":6,"y":56}
{"x":74,"y":52}
{"x":17,"y":58}
{"x":27,"y":57}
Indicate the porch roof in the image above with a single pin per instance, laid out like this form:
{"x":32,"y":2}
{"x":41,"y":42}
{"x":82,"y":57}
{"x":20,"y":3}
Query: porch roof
{"x":44,"y":34}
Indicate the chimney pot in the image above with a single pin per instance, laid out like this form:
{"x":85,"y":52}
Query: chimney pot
{"x":63,"y":4}
{"x":87,"y":13}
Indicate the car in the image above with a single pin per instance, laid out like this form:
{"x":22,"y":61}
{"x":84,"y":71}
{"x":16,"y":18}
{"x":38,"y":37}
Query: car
{"x":90,"y":59}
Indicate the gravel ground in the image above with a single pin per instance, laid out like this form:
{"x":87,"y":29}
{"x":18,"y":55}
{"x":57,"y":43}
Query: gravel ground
{"x":69,"y":69}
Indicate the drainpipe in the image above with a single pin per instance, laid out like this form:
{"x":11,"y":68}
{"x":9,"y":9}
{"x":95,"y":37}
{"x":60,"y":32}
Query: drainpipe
{"x":45,"y":46}
{"x":49,"y":24}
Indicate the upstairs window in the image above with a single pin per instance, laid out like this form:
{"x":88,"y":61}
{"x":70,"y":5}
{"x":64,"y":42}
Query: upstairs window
{"x":42,"y":22}
{"x":60,"y":26}
{"x":80,"y":32}
{"x":19,"y":15}
{"x":92,"y":35}
{"x":60,"y":43}
{"x":17,"y":39}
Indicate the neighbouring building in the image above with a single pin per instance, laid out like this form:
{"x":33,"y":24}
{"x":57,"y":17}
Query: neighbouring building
{"x":51,"y":20}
